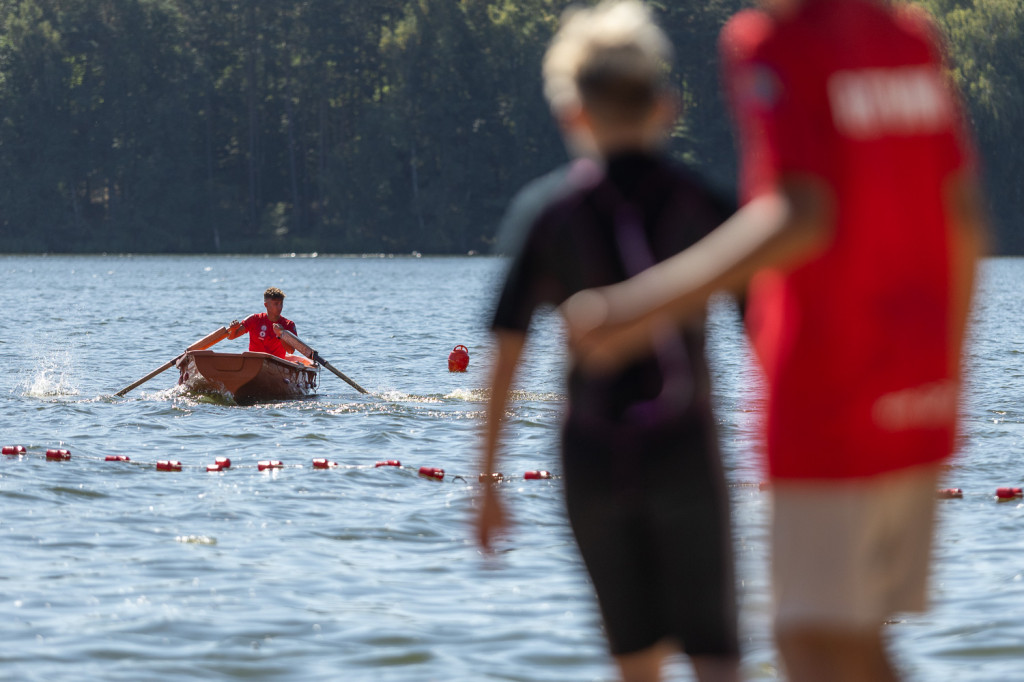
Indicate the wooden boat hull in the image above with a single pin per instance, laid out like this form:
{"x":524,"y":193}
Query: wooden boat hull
{"x":247,"y":377}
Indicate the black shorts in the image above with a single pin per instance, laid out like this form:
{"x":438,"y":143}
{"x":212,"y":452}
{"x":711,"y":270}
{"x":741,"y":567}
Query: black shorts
{"x":651,"y":517}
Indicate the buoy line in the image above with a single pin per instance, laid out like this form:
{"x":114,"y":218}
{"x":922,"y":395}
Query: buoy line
{"x":1003,"y":494}
{"x":220,"y":464}
{"x":223,"y":464}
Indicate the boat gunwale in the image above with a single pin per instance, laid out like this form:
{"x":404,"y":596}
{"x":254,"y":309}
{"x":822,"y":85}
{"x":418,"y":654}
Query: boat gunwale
{"x":274,"y":378}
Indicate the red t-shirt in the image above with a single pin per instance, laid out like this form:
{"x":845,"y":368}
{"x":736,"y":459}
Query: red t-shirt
{"x":854,"y":342}
{"x":261,"y":334}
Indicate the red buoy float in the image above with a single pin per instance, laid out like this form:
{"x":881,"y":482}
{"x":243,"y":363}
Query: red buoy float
{"x":58,"y":455}
{"x":1008,"y":493}
{"x":14,"y":450}
{"x":388,"y":463}
{"x":432,"y":472}
{"x":458,"y":359}
{"x":117,"y":458}
{"x":536,"y":475}
{"x":168,"y":465}
{"x":269,"y":464}
{"x":323,"y":463}
{"x":950,"y":493}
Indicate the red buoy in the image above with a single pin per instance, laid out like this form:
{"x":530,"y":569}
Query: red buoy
{"x":58,"y":455}
{"x":432,"y":472}
{"x":117,"y":458}
{"x":496,"y":477}
{"x":458,"y":359}
{"x":1008,"y":493}
{"x":950,"y":493}
{"x":223,"y":462}
{"x":14,"y":450}
{"x":269,"y":464}
{"x":323,"y":463}
{"x":536,"y":475}
{"x":388,"y":463}
{"x":168,"y":465}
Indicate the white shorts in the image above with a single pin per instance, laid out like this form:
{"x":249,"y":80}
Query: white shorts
{"x":852,"y":553}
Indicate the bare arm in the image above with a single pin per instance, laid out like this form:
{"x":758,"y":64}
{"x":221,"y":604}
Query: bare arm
{"x":235,"y":329}
{"x":491,"y":516}
{"x":610,"y":325}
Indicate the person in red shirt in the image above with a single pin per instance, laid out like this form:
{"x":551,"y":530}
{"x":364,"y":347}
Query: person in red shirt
{"x":858,"y":245}
{"x":265,"y":328}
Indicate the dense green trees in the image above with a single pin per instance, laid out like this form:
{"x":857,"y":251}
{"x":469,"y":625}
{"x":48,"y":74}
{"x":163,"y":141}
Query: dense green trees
{"x":986,"y":40}
{"x":344,"y":125}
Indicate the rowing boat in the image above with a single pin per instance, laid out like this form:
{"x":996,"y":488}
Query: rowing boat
{"x":248,"y":377}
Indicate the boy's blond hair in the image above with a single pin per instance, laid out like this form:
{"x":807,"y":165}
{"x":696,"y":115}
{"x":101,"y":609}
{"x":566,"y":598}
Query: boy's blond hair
{"x":611,"y":57}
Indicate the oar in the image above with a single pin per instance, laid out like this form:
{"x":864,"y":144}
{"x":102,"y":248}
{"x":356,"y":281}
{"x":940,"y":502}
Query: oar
{"x":201,"y":344}
{"x":296,"y":343}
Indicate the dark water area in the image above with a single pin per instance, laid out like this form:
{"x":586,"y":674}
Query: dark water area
{"x":117,"y":571}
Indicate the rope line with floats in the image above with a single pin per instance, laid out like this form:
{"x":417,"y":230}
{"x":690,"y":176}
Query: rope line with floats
{"x":222,"y":464}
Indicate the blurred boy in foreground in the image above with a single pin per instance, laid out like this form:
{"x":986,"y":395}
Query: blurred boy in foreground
{"x":645,"y":492}
{"x":858,"y":240}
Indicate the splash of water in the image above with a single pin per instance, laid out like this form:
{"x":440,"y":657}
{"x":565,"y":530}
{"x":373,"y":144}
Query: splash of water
{"x":468,"y":394}
{"x":401,"y":397}
{"x":52,"y":378}
{"x":195,"y":540}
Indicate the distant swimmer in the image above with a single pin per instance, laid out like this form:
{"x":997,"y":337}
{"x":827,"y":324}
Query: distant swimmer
{"x":265,"y":328}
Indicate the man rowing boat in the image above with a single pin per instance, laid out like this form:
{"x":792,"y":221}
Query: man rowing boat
{"x":265,"y":328}
{"x":269,"y":333}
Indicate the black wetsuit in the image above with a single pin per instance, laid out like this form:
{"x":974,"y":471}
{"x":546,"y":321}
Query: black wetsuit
{"x":644,"y":486}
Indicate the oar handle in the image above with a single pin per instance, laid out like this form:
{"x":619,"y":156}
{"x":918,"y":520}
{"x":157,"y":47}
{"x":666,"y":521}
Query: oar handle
{"x":209,"y":340}
{"x":297,"y":344}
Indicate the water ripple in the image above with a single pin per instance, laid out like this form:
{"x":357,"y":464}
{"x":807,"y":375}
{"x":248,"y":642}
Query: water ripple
{"x":115,"y":571}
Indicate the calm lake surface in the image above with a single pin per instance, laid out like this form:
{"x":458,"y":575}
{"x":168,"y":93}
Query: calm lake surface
{"x":115,"y":571}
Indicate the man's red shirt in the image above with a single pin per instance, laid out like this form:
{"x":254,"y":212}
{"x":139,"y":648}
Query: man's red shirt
{"x":261,"y":334}
{"x":855,"y":341}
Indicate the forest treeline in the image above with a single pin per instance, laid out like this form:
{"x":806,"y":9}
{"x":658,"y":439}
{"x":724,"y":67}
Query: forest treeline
{"x":343,"y":126}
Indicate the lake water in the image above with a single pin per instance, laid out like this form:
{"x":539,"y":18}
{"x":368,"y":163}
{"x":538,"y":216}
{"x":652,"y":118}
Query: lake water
{"x":116,"y":571}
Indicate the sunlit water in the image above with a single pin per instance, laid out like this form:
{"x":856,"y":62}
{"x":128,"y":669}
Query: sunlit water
{"x":116,"y":571}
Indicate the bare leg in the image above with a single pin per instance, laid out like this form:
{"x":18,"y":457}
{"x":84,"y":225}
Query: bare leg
{"x":812,"y":655}
{"x":646,"y":665}
{"x":716,"y":669}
